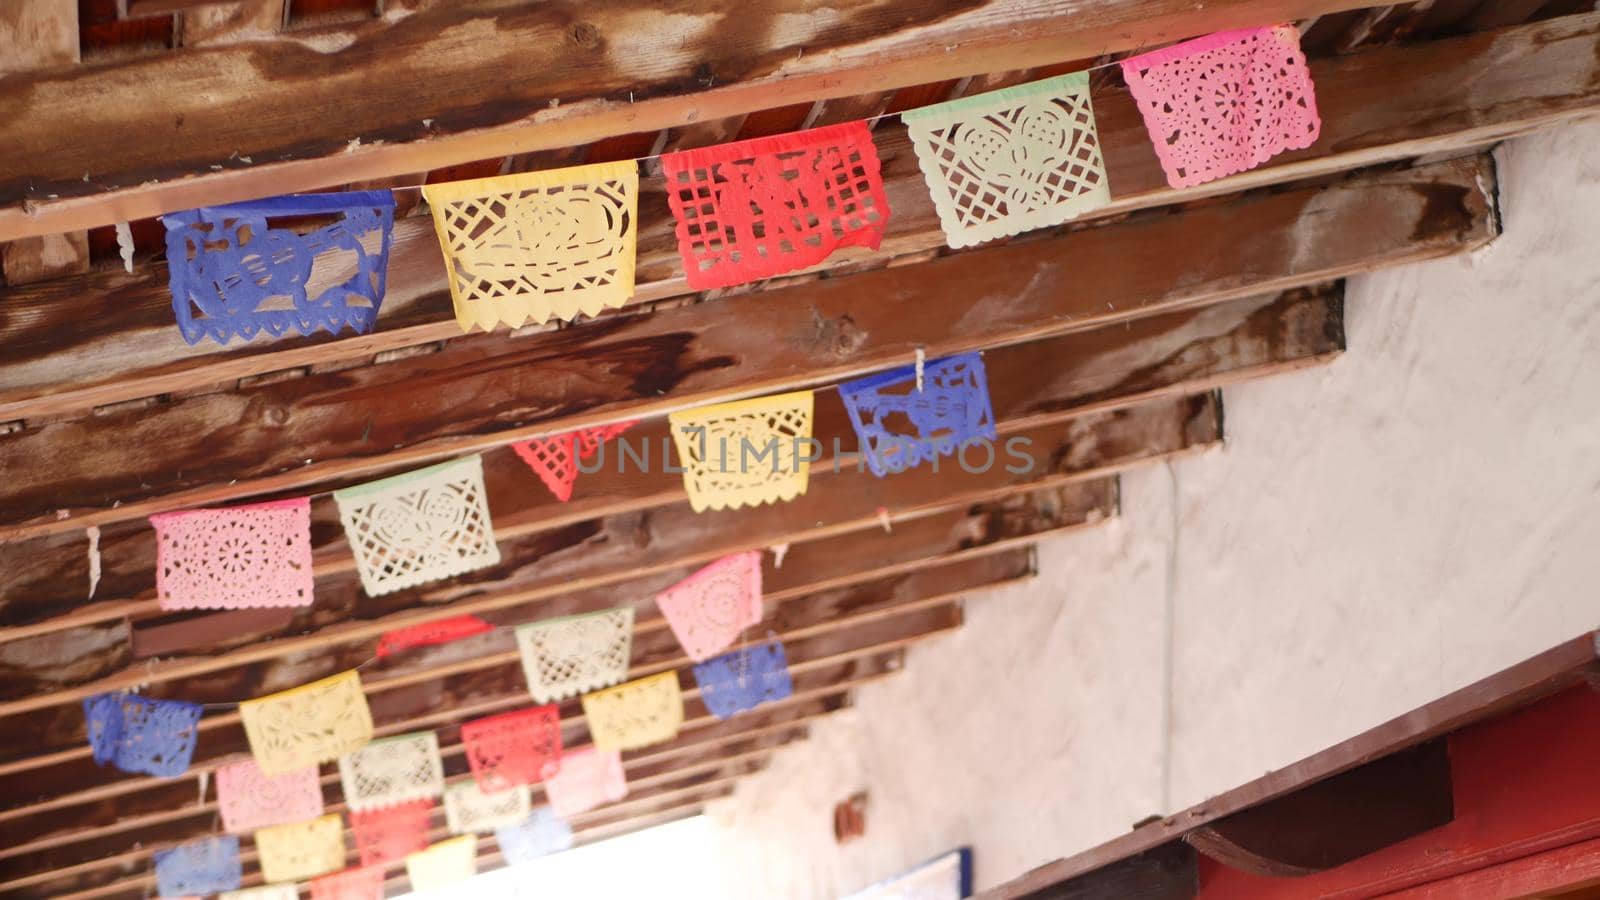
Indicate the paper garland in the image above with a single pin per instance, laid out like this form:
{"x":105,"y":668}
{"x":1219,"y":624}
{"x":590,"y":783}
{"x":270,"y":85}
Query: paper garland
{"x":265,"y":892}
{"x":439,"y":631}
{"x":142,"y":735}
{"x":245,"y":556}
{"x":351,"y":884}
{"x":1012,"y":160}
{"x":443,"y":864}
{"x":745,"y":453}
{"x":541,"y":834}
{"x":392,"y":771}
{"x":589,"y":777}
{"x":709,"y":609}
{"x":301,"y":850}
{"x":389,"y":834}
{"x":468,"y":810}
{"x":514,"y":748}
{"x":555,"y":459}
{"x":529,"y":247}
{"x":744,"y":679}
{"x":1225,"y":103}
{"x":636,"y":713}
{"x":206,"y":866}
{"x":310,"y":724}
{"x":951,"y":408}
{"x":420,"y":526}
{"x":248,"y":798}
{"x":758,"y":208}
{"x":566,"y":656}
{"x":231,"y":274}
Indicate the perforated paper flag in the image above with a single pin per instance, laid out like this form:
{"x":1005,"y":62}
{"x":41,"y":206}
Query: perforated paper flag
{"x":519,"y":747}
{"x":1225,"y":103}
{"x":139,"y":734}
{"x":635,"y":714}
{"x":233,"y":272}
{"x":898,"y":426}
{"x":265,"y":892}
{"x":588,"y":778}
{"x":301,"y":850}
{"x":389,"y":834}
{"x":351,"y":884}
{"x":1011,"y":160}
{"x":468,"y":810}
{"x":392,"y":771}
{"x":419,"y":527}
{"x":236,"y":558}
{"x":310,"y":724}
{"x":745,"y":453}
{"x":443,"y":864}
{"x":541,"y":834}
{"x":567,"y":656}
{"x":249,"y":798}
{"x":708,"y":609}
{"x":753,"y":209}
{"x":555,"y":459}
{"x":744,"y":679}
{"x":529,"y":247}
{"x":206,"y":866}
{"x":440,"y":631}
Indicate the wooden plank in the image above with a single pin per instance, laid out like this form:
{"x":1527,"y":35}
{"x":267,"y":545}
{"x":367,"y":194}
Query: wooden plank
{"x":473,"y":397}
{"x":603,"y":69}
{"x":235,"y":20}
{"x":1168,"y":872}
{"x":1029,"y":384}
{"x":73,"y":348}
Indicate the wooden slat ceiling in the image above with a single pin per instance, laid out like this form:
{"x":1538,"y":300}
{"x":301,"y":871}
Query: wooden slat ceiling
{"x":1106,"y":342}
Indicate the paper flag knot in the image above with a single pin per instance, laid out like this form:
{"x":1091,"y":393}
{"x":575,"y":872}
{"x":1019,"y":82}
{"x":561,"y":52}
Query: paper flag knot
{"x":745,"y":453}
{"x":420,"y":526}
{"x":520,"y":747}
{"x":391,"y":833}
{"x":249,"y":798}
{"x":392,"y":771}
{"x":1226,"y":102}
{"x":536,"y":245}
{"x":567,"y":656}
{"x":469,"y":810}
{"x":636,"y":713}
{"x":708,"y":609}
{"x":138,"y":734}
{"x":898,"y":426}
{"x":306,"y":725}
{"x":753,"y":209}
{"x":351,"y":884}
{"x":301,"y":850}
{"x":443,"y":864}
{"x":245,"y":556}
{"x":744,"y":679}
{"x":541,"y":834}
{"x":588,"y":778}
{"x":1012,"y":160}
{"x":441,"y":631}
{"x":206,"y":866}
{"x":555,"y":459}
{"x":233,"y":272}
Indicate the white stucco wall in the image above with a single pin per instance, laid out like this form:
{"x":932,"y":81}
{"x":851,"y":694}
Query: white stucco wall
{"x":1375,"y":533}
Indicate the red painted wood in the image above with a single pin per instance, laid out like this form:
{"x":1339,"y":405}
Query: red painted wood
{"x":1567,"y":868}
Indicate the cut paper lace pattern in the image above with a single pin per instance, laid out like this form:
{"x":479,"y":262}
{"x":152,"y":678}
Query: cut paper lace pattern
{"x":419,"y":527}
{"x":443,"y":864}
{"x":536,"y":245}
{"x":392,"y":771}
{"x":635,"y":714}
{"x":514,"y":748}
{"x":138,"y":734}
{"x":708,"y":609}
{"x":555,"y":459}
{"x":248,"y":798}
{"x":237,"y":558}
{"x":427,"y":634}
{"x":1225,"y":103}
{"x":301,"y":850}
{"x":389,"y":834}
{"x":898,"y":426}
{"x":745,"y":453}
{"x":744,"y":679}
{"x":234,"y":275}
{"x":588,"y":778}
{"x":351,"y":884}
{"x":265,"y":892}
{"x":310,"y":724}
{"x":1012,"y":160}
{"x":206,"y":866}
{"x":468,"y":810}
{"x":541,"y":834}
{"x":757,"y":208}
{"x":567,"y":656}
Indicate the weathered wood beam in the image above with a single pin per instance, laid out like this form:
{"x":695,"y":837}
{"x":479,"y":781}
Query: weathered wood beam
{"x":1168,"y":872}
{"x":168,"y":132}
{"x":1176,"y":353}
{"x":217,"y":447}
